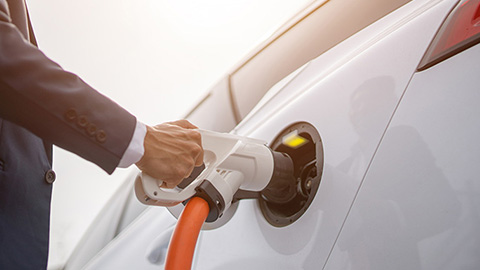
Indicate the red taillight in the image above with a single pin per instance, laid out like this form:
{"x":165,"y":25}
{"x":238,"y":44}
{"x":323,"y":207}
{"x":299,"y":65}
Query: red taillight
{"x":460,"y":31}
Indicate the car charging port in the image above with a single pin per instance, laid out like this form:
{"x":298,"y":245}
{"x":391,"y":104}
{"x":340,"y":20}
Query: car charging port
{"x":290,"y":193}
{"x":282,"y":186}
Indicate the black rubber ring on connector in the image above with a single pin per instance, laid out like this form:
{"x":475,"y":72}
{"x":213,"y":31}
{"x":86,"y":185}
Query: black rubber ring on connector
{"x":215,"y":200}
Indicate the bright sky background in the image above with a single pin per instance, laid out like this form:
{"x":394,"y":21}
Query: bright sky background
{"x":156,"y":58}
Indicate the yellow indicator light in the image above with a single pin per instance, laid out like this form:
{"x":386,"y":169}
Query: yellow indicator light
{"x":293,"y":140}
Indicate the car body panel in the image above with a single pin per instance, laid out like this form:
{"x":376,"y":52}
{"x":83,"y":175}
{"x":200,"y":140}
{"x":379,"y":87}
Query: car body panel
{"x":351,"y":117}
{"x":328,"y":24}
{"x":214,"y":111}
{"x":395,"y":142}
{"x":418,"y":205}
{"x":317,"y":28}
{"x":133,"y":247}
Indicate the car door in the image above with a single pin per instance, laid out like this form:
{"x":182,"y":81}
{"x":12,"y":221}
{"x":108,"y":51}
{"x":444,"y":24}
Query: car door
{"x":349,"y":96}
{"x":417,"y":207}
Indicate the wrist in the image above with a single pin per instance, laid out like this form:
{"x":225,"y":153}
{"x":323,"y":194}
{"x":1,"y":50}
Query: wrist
{"x":136,"y":148}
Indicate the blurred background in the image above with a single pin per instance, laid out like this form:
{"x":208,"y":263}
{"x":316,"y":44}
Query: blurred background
{"x":156,"y":58}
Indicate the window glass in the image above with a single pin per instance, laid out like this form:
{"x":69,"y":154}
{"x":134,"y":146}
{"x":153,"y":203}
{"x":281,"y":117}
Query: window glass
{"x":319,"y":30}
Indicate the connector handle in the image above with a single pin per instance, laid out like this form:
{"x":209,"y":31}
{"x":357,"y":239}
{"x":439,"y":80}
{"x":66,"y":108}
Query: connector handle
{"x":241,"y":162}
{"x":148,"y":189}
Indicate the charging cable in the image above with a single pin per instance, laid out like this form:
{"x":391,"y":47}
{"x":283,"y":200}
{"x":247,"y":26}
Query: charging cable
{"x":184,"y":239}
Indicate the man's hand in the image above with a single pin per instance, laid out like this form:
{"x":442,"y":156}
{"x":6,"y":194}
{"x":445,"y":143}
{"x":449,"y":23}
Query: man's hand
{"x":172,"y":150}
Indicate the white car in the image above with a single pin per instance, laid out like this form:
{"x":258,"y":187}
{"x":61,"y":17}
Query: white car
{"x":388,"y":94}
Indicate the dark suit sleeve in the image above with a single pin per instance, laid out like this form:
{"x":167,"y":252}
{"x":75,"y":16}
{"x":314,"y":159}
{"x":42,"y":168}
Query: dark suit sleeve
{"x":37,"y":94}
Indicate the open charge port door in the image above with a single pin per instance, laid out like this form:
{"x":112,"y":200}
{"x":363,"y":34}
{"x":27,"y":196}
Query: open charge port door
{"x":307,"y":159}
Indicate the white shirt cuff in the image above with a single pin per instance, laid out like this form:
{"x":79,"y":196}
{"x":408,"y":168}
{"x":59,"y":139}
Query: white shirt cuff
{"x":135,"y":149}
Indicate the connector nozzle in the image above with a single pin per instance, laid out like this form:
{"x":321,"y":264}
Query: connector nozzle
{"x":282,"y":187}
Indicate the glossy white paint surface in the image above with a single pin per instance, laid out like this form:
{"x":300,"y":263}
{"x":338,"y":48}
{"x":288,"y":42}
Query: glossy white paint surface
{"x":418,"y":207}
{"x":132,"y":248}
{"x":351,"y":107}
{"x":397,"y":192}
{"x":216,"y":103}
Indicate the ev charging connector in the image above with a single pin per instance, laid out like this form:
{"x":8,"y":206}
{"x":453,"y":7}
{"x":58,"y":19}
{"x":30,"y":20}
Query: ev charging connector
{"x":232,"y":163}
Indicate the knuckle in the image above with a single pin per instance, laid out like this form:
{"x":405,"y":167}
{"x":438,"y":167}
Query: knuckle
{"x":195,"y":135}
{"x":196,"y":150}
{"x":183,"y":170}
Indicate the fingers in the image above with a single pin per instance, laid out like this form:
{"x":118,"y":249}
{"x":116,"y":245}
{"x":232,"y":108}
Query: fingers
{"x":199,"y":160}
{"x":167,"y":185}
{"x":198,"y":151}
{"x":172,"y":150}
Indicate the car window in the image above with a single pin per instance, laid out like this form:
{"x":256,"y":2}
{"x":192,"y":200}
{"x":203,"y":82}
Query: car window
{"x":319,"y":30}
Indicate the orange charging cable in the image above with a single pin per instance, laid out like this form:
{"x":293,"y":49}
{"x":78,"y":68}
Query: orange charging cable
{"x":184,"y":239}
